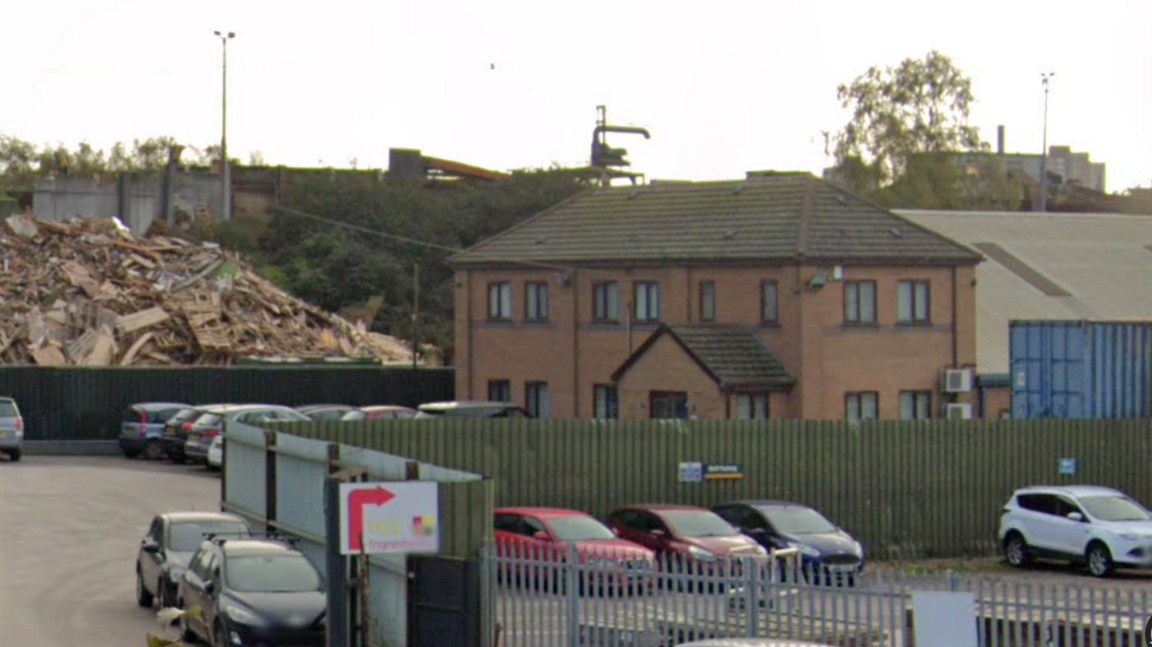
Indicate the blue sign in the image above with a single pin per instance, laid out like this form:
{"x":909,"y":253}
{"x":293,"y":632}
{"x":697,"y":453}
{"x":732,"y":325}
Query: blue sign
{"x":1067,"y":466}
{"x":691,"y":472}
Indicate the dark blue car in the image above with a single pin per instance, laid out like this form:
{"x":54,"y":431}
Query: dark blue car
{"x":142,"y":428}
{"x":826,"y":551}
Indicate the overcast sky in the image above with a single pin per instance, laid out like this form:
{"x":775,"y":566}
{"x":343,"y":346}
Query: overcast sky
{"x":724,"y":87}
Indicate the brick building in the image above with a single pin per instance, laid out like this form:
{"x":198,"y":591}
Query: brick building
{"x":775,"y":296}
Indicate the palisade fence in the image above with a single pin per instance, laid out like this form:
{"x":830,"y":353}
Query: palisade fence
{"x":906,"y":490}
{"x":555,"y":600}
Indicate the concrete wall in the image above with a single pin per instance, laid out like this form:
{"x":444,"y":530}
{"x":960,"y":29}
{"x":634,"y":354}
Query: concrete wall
{"x":136,"y":198}
{"x":572,"y":353}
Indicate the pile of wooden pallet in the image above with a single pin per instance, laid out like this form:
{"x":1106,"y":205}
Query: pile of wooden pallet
{"x":89,"y":293}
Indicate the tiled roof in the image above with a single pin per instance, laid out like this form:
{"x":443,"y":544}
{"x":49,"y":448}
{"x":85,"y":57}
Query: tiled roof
{"x":771,"y":217}
{"x":1053,"y":266}
{"x":732,"y":356}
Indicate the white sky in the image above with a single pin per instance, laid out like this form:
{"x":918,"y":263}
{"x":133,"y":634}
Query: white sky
{"x":724,"y":87}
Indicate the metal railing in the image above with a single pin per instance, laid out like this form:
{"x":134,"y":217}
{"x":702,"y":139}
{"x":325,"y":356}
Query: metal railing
{"x":575,"y":598}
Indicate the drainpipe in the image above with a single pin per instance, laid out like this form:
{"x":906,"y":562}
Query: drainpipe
{"x":574,"y":286}
{"x":952,"y":397}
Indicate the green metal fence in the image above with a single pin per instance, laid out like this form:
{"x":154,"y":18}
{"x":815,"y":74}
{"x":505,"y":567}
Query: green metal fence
{"x":905,"y":489}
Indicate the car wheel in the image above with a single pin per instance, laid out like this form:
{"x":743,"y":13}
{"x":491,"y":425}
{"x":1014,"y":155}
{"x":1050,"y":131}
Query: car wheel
{"x":153,"y":451}
{"x":1016,"y":550}
{"x":143,"y":597}
{"x":1099,"y":560}
{"x":15,"y":455}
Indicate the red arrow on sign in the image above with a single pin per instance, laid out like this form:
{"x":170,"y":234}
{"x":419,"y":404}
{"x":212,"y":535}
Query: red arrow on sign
{"x":357,"y":501}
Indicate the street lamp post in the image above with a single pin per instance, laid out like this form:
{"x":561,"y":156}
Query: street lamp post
{"x":225,"y":171}
{"x":1044,"y":153}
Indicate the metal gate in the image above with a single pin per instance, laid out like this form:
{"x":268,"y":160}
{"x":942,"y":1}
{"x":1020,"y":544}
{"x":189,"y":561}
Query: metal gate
{"x":444,"y":602}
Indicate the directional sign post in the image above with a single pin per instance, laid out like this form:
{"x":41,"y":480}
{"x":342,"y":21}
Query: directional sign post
{"x":391,"y":517}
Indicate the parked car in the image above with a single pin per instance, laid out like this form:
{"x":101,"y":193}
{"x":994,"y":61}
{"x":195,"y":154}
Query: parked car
{"x":253,"y":592}
{"x":11,"y":429}
{"x":211,"y":424}
{"x":826,"y":551}
{"x":168,"y":546}
{"x":686,"y":537}
{"x":177,"y":428}
{"x":1097,"y":526}
{"x":380,"y":412}
{"x":215,"y":458}
{"x":325,"y":411}
{"x":142,"y":428}
{"x":544,"y":536}
{"x":470,"y":410}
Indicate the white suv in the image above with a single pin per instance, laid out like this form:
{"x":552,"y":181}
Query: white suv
{"x":1098,"y":526}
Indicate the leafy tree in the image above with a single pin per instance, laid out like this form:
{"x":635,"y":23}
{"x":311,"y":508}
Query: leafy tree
{"x":902,"y":145}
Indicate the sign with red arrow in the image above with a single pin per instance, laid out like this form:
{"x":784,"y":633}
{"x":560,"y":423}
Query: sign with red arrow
{"x":389,"y":517}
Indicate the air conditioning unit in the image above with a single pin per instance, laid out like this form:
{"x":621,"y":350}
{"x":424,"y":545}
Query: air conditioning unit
{"x":958,"y":411}
{"x":957,"y":380}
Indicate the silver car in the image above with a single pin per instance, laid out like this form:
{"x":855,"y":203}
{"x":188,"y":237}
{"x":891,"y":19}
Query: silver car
{"x":11,"y":429}
{"x":211,"y":424}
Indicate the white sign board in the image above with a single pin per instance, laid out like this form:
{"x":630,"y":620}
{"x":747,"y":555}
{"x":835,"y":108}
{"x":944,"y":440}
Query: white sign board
{"x":944,"y":619}
{"x":391,"y":517}
{"x":691,"y":472}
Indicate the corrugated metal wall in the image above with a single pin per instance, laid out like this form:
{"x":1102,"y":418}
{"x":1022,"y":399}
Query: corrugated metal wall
{"x":1081,"y":369}
{"x":87,"y":403}
{"x":904,"y":488}
{"x":298,"y":508}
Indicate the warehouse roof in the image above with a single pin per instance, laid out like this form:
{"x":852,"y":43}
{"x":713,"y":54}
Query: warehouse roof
{"x":1054,"y":266}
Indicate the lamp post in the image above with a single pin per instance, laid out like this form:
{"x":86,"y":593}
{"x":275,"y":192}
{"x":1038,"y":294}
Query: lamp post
{"x":225,"y":171}
{"x":1044,"y":153}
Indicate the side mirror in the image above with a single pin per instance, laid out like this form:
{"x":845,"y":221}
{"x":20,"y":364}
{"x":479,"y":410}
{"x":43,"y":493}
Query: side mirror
{"x":1075,"y":516}
{"x":540,"y":535}
{"x":151,"y":548}
{"x":210,"y":588}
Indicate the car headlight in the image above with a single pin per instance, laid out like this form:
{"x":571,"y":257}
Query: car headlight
{"x":701,"y":554}
{"x":242,"y":616}
{"x":858,"y":547}
{"x":805,"y":549}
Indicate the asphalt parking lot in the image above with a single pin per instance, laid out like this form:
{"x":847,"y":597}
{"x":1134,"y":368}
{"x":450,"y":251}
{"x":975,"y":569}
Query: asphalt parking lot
{"x":69,"y":529}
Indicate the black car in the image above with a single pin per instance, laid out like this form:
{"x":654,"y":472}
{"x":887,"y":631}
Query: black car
{"x":253,"y":592}
{"x":176,"y":431}
{"x":167,"y":548}
{"x":826,"y":551}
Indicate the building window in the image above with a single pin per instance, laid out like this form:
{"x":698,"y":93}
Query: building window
{"x":861,"y":406}
{"x":499,"y":391}
{"x":708,"y":301}
{"x":536,"y":301}
{"x":646,"y":301}
{"x":539,"y":403}
{"x":604,"y":402}
{"x":605,"y":302}
{"x":752,"y":406}
{"x":768,"y":307}
{"x":500,"y":301}
{"x":915,"y":405}
{"x":668,"y":405}
{"x":860,"y":302}
{"x":912,"y":302}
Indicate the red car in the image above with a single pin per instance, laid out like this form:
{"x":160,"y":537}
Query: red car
{"x":686,"y":537}
{"x":537,"y":535}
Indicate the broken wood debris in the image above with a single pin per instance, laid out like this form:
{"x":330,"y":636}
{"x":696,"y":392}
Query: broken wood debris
{"x":88,"y":293}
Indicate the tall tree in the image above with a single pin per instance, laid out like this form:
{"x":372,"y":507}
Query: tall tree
{"x":903,"y":116}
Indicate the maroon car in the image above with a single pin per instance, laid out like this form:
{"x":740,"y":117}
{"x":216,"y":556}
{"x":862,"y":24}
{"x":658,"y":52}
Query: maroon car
{"x":686,"y":537}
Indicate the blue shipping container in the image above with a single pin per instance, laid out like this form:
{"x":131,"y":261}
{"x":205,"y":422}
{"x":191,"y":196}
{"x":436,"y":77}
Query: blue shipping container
{"x":1081,"y":369}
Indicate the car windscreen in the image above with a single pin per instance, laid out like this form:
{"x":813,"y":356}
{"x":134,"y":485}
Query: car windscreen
{"x":798,"y":521}
{"x":579,"y":529}
{"x":291,"y":573}
{"x":208,"y":420}
{"x":698,"y":524}
{"x":8,"y":409}
{"x":183,"y":416}
{"x":187,"y":536}
{"x":354,"y":415}
{"x":1114,"y":508}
